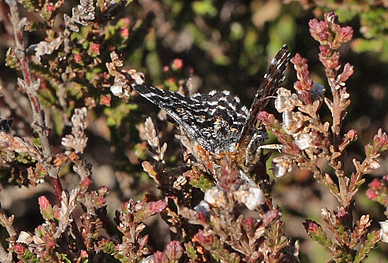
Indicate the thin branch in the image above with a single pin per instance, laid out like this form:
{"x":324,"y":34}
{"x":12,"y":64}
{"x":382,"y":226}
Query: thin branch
{"x":6,"y":222}
{"x":31,"y":86}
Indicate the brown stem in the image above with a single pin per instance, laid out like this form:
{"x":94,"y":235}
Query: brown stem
{"x":6,"y":222}
{"x":4,"y":256}
{"x":337,"y":163}
{"x":30,"y":86}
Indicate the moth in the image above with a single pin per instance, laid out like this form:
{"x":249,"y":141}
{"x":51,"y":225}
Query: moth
{"x":217,"y":122}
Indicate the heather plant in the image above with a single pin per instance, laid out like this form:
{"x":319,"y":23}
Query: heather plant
{"x":83,"y":71}
{"x":371,"y":15}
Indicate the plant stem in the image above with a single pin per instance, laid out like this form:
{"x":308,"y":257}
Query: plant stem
{"x":31,"y":86}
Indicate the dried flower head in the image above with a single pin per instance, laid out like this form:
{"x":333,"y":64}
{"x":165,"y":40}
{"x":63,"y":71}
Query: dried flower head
{"x":77,"y":140}
{"x":84,"y":13}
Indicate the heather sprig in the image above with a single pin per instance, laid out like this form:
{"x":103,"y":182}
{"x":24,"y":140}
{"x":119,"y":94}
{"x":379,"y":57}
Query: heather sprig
{"x":306,"y":139}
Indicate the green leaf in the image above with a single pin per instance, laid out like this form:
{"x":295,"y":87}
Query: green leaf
{"x":202,"y":182}
{"x":64,"y":257}
{"x":204,"y":8}
{"x":371,"y":241}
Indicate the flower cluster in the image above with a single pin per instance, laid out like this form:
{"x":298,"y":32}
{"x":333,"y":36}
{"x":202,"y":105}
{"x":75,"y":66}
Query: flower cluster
{"x":306,"y":139}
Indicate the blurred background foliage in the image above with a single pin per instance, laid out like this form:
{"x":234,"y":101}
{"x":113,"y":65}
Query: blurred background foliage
{"x":219,"y":45}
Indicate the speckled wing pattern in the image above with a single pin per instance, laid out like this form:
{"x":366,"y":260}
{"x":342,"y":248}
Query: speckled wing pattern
{"x":217,"y":121}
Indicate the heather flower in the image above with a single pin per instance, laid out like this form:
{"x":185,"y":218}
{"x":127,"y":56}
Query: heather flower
{"x":174,"y":251}
{"x":160,"y":257}
{"x":305,"y":84}
{"x":346,"y":73}
{"x":284,"y":100}
{"x":94,"y":50}
{"x":280,"y":166}
{"x":252,"y":197}
{"x":215,"y":197}
{"x":263,"y":116}
{"x":328,"y":58}
{"x":384,"y":231}
{"x":380,"y":141}
{"x":351,"y":135}
{"x":328,"y":32}
{"x":177,"y":64}
{"x":292,"y":122}
{"x":375,"y":184}
{"x":78,"y":58}
{"x":117,"y":90}
{"x":20,"y":249}
{"x":303,"y":141}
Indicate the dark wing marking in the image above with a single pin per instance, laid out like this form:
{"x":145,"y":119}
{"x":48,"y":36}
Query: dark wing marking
{"x":272,"y":79}
{"x":217,"y":121}
{"x":5,"y":125}
{"x":213,"y":120}
{"x":225,"y":117}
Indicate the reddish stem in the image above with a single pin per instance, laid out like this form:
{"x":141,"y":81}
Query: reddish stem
{"x":29,"y":85}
